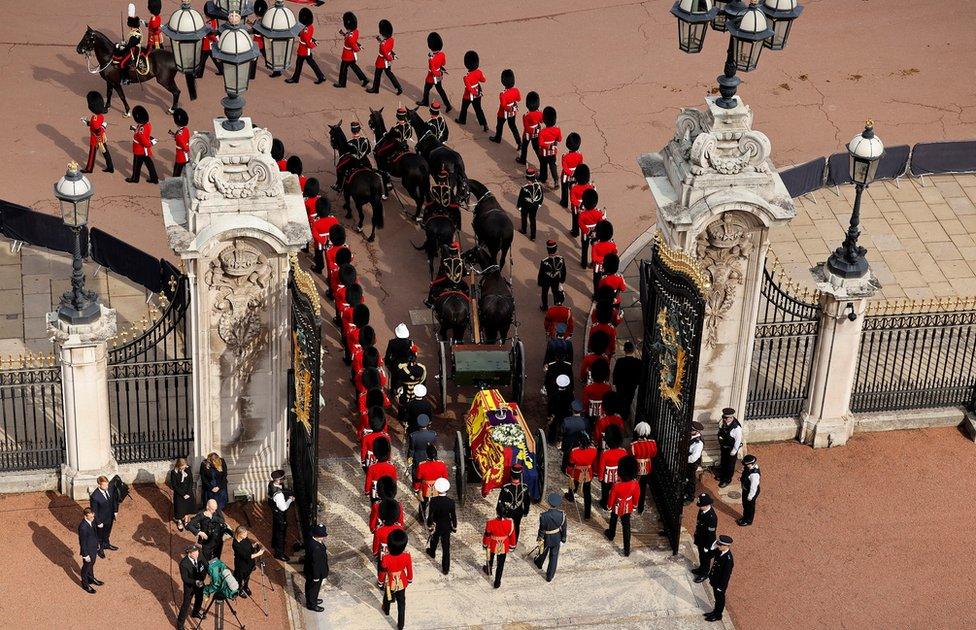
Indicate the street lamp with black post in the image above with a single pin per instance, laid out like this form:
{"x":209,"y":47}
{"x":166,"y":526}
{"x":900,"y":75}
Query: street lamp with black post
{"x":74,"y":192}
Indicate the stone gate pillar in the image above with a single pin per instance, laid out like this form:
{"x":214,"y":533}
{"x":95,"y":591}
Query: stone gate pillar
{"x":234,"y":219}
{"x":717,"y":196}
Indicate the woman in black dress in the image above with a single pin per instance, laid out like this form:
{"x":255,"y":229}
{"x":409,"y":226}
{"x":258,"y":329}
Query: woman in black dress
{"x":213,"y":480}
{"x":180,"y":480}
{"x":245,"y":553}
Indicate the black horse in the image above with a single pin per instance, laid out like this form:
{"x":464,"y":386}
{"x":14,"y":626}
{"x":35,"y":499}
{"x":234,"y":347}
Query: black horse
{"x":496,"y":305}
{"x":439,"y":156}
{"x":493,"y":228}
{"x":395,"y":158}
{"x":439,"y":231}
{"x":162,"y":67}
{"x":453,"y":312}
{"x":362,"y":185}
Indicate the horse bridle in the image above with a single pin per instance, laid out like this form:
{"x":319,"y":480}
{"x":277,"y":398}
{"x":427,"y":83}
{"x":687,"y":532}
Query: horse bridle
{"x":89,"y":53}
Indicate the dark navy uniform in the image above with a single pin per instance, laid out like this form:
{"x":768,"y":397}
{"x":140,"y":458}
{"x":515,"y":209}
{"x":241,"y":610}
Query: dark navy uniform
{"x":277,"y":499}
{"x":705,"y":525}
{"x":552,"y":534}
{"x":529,"y":202}
{"x":316,"y":567}
{"x":514,"y":500}
{"x":750,"y":489}
{"x":552,"y":274}
{"x":719,"y":578}
{"x":729,"y":443}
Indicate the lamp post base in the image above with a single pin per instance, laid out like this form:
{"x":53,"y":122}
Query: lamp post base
{"x":233,"y":108}
{"x":727,"y":87}
{"x":84,"y":314}
{"x":839,"y":265}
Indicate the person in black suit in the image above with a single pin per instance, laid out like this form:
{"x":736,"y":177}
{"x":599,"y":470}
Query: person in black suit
{"x":626,"y":378}
{"x":442,"y":522}
{"x":720,"y":575}
{"x":88,"y":541}
{"x":246,"y":553}
{"x":106,"y":507}
{"x":193,"y":570}
{"x":180,"y":481}
{"x":705,"y":526}
{"x":316,"y":567}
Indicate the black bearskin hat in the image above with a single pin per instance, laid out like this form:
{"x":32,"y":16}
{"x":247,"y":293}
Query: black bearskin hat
{"x":598,"y":343}
{"x":294,"y":165}
{"x":627,"y":468}
{"x":600,"y":369}
{"x":386,"y":486}
{"x":583,"y":439}
{"x":367,"y":339}
{"x":375,"y":398}
{"x":305,"y":16}
{"x":431,"y":451}
{"x":549,"y":116}
{"x":344,"y":255}
{"x":381,"y":448}
{"x":611,"y":403}
{"x":532,"y":101}
{"x":397,"y":542}
{"x":471,"y":60}
{"x":96,"y":103}
{"x":612,"y":436}
{"x":278,"y":150}
{"x":156,"y":6}
{"x":354,"y":295}
{"x":260,"y":8}
{"x":390,"y":509}
{"x":605,"y":294}
{"x":604,"y":230}
{"x":590,"y":198}
{"x":371,"y":356}
{"x":582,"y":174}
{"x":350,"y":21}
{"x":337,"y":235}
{"x":180,"y":117}
{"x":386,"y":29}
{"x":140,"y":115}
{"x":360,"y":315}
{"x":377,"y":418}
{"x":312,"y":188}
{"x":508,"y":78}
{"x":133,"y":22}
{"x":371,"y":379}
{"x":434,"y":42}
{"x":604,"y":310}
{"x":611,"y":263}
{"x":347,"y":274}
{"x":323,"y":208}
{"x":573,"y":141}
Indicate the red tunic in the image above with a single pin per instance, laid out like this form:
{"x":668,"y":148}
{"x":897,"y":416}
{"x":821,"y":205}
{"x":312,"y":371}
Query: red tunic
{"x":531,"y":122}
{"x":142,"y":140}
{"x":373,"y":474}
{"x":611,"y":332}
{"x":576,"y":194}
{"x":549,"y":139}
{"x":283,"y":165}
{"x":374,"y":516}
{"x":606,"y":468}
{"x":472,"y":84}
{"x":589,"y":218}
{"x":615,"y":281}
{"x":182,"y":138}
{"x":306,"y":41}
{"x":258,"y":40}
{"x":210,"y":40}
{"x":623,"y":497}
{"x":585,"y":364}
{"x":594,"y":393}
{"x":330,"y":257}
{"x":320,"y":230}
{"x":581,"y":462}
{"x":366,"y":446}
{"x":310,"y":206}
{"x":508,"y":101}
{"x":380,"y":536}
{"x":427,"y":473}
{"x":435,"y":66}
{"x":559,"y":314}
{"x":396,"y":572}
{"x":600,"y":250}
{"x":615,"y":320}
{"x":499,"y":535}
{"x":644,"y":451}
{"x":96,"y":130}
{"x":385,"y":57}
{"x":351,"y":46}
{"x":602,"y":424}
{"x":154,"y":31}
{"x":570,"y":161}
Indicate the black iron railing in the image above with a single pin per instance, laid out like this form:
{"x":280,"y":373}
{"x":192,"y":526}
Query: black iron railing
{"x":32,"y":416}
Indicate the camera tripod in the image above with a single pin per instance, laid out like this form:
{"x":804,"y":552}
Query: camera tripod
{"x":269,"y":586}
{"x":219,"y":613}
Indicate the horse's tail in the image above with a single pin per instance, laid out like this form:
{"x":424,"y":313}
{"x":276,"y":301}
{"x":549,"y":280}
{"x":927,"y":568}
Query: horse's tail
{"x":191,"y":86}
{"x":377,"y":204}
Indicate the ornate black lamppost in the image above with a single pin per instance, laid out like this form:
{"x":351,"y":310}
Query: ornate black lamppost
{"x":237,"y":51}
{"x":74,"y":192}
{"x":279,"y":28}
{"x":186,"y":30}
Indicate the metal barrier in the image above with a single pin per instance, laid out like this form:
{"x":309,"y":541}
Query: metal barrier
{"x":31,"y":413}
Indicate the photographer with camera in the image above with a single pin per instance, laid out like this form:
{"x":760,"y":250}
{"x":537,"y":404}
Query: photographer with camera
{"x":246,"y":554}
{"x":192,"y":572}
{"x":280,"y":500}
{"x":210,"y":527}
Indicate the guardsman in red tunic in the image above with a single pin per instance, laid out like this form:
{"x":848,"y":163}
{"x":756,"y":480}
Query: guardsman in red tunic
{"x":623,"y":499}
{"x":603,"y":246}
{"x":587,"y":220}
{"x":387,"y":490}
{"x":596,"y":347}
{"x":570,"y":161}
{"x":377,"y":429}
{"x":154,"y":26}
{"x":324,"y":220}
{"x":436,"y":60}
{"x":427,"y":473}
{"x":278,"y":154}
{"x":607,"y":464}
{"x":608,"y":417}
{"x":382,"y":468}
{"x":557,"y":314}
{"x":549,"y":139}
{"x":531,"y":125}
{"x":612,"y":278}
{"x":472,"y":90}
{"x":582,"y":177}
{"x":389,"y":513}
{"x":580,"y":472}
{"x":182,"y":138}
{"x":209,"y":43}
{"x":306,"y":44}
{"x":310,"y":193}
{"x":96,"y":133}
{"x":384,"y":59}
{"x":508,"y":100}
{"x":350,"y":51}
{"x":594,"y":393}
{"x":142,"y":144}
{"x":644,"y":449}
{"x":498,"y":540}
{"x":294,"y":166}
{"x":395,"y":574}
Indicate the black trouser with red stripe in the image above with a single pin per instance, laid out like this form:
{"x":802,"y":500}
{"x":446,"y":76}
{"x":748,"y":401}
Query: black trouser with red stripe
{"x":525,"y":148}
{"x":564,"y":184}
{"x":645,"y":487}
{"x":90,"y":164}
{"x":475,"y":103}
{"x":344,"y":67}
{"x":500,"y":124}
{"x":499,"y":561}
{"x":587,"y":496}
{"x":625,"y":524}
{"x":440,"y":90}
{"x":547,"y":165}
{"x":401,"y":601}
{"x":319,"y":76}
{"x":378,"y":73}
{"x":137,"y":162}
{"x":203,"y":64}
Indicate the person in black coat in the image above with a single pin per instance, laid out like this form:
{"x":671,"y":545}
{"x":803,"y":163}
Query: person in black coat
{"x":514,"y":499}
{"x":418,"y":442}
{"x":626,"y":378}
{"x":209,"y":526}
{"x":705,"y":526}
{"x":442,"y":522}
{"x":417,"y":406}
{"x":88,"y":541}
{"x":180,"y":481}
{"x":193,"y":570}
{"x":316,"y":567}
{"x":105,"y":505}
{"x":213,"y":480}
{"x":246,"y":553}
{"x":720,"y":575}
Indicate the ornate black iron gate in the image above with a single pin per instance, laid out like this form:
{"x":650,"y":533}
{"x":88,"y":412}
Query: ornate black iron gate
{"x":673,"y":301}
{"x":150,"y":393}
{"x":303,"y":394}
{"x":32,"y":416}
{"x":782,"y":357}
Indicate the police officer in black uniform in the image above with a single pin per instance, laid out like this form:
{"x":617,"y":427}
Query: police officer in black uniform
{"x":720,"y":575}
{"x":729,"y":443}
{"x":750,"y":490}
{"x":279,"y":499}
{"x":695,"y":447}
{"x":316,"y":567}
{"x":552,"y":534}
{"x":529,"y":201}
{"x":514,"y":499}
{"x":705,"y":525}
{"x":552,"y":273}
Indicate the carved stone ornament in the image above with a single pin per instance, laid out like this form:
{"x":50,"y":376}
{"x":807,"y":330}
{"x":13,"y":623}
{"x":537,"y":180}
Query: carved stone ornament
{"x":721,"y":249}
{"x":690,"y":124}
{"x":240,"y":275}
{"x":231,"y":173}
{"x":730,"y":152}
